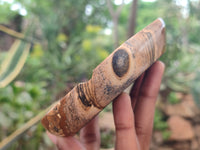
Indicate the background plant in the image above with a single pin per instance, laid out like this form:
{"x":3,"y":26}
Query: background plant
{"x":72,"y":37}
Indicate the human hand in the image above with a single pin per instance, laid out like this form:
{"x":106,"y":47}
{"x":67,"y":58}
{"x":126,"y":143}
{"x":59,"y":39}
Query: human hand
{"x":133,"y":117}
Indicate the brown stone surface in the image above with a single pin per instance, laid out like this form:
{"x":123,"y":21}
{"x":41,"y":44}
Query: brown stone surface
{"x":194,"y":144}
{"x":182,"y":146}
{"x":186,"y":108}
{"x":165,"y":148}
{"x":184,"y":125}
{"x":180,"y":129}
{"x":197,"y":130}
{"x":179,"y":95}
{"x":157,"y":137}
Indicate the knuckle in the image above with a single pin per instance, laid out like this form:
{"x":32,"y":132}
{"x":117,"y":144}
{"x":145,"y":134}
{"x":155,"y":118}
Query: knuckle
{"x":123,"y":126}
{"x":140,"y":130}
{"x":91,"y":138}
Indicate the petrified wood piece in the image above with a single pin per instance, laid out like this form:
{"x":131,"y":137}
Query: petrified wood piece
{"x":109,"y":79}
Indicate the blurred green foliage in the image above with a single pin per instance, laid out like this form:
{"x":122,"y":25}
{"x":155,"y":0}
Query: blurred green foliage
{"x":195,"y":84}
{"x":172,"y":98}
{"x":107,"y":138}
{"x":6,"y":14}
{"x":159,"y":122}
{"x":19,"y":103}
{"x":161,"y":125}
{"x":70,"y":39}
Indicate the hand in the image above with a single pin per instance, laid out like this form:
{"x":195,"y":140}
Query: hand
{"x":133,"y":117}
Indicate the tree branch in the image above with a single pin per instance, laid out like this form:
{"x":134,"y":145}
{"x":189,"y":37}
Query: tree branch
{"x":119,"y":9}
{"x":110,"y":8}
{"x":132,"y":19}
{"x":115,"y":19}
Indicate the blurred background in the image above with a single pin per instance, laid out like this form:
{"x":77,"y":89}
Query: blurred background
{"x":47,"y":47}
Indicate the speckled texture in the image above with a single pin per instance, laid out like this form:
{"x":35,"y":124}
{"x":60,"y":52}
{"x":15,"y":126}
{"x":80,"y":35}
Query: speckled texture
{"x":109,"y":79}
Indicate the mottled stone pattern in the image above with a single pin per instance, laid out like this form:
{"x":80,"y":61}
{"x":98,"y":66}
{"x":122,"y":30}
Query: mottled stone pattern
{"x":120,"y":62}
{"x":109,"y":79}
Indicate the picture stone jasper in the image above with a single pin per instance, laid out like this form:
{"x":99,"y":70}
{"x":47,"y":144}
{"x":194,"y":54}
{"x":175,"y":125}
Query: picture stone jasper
{"x":109,"y":79}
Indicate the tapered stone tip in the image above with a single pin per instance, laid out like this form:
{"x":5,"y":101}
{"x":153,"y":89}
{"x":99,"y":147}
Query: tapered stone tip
{"x":162,"y":21}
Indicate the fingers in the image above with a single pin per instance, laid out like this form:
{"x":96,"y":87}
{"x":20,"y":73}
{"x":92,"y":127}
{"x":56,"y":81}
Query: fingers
{"x":65,"y":143}
{"x":135,"y":90}
{"x":145,"y":106}
{"x":89,"y":138}
{"x":124,"y":123}
{"x":90,"y":135}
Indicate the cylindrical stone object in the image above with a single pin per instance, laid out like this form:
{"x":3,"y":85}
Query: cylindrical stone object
{"x":110,"y":78}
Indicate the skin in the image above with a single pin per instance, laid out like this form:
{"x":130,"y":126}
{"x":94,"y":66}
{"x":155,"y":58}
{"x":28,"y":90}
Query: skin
{"x":133,"y":117}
